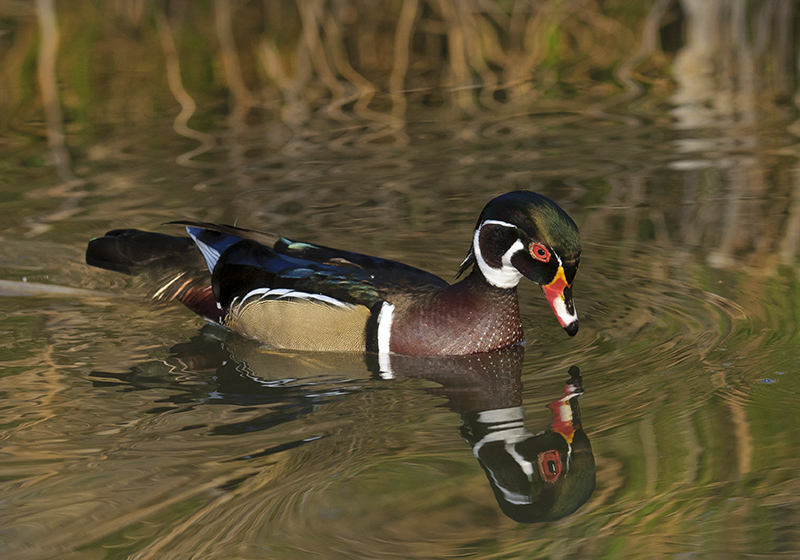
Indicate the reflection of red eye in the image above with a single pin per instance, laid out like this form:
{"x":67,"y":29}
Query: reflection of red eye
{"x":550,"y":465}
{"x":540,"y":252}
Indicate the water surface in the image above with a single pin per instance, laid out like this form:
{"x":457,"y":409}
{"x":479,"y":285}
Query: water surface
{"x":131,"y":430}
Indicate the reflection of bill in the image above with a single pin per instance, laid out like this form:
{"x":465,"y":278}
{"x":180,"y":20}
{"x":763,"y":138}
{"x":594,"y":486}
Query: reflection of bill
{"x":540,"y":477}
{"x":535,"y":477}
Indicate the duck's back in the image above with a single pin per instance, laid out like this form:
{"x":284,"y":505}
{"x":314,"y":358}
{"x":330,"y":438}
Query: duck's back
{"x":287,"y":294}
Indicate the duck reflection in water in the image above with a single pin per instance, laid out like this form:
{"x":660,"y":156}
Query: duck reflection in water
{"x":541,"y":477}
{"x":535,"y":476}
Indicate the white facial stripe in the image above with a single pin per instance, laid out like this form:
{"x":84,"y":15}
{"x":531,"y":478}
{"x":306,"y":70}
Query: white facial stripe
{"x":506,"y":426}
{"x":497,"y":223}
{"x":523,"y":463}
{"x":466,"y":259}
{"x":510,"y":436}
{"x":506,"y":276}
{"x":385,"y":317}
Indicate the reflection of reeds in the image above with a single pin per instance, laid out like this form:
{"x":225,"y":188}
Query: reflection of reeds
{"x":371,"y":64}
{"x":358,"y":59}
{"x":354,"y":76}
{"x":69,"y":188}
{"x":47,"y":82}
{"x":187,"y":103}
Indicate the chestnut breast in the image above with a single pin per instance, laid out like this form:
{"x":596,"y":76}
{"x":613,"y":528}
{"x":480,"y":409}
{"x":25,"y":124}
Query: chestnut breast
{"x":457,"y":320}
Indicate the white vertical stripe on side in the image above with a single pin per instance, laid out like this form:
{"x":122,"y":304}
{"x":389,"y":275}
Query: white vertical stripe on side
{"x":385,"y":318}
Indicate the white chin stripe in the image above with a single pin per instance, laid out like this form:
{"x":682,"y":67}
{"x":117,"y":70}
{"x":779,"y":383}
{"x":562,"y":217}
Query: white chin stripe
{"x":506,"y":276}
{"x":564,"y":316}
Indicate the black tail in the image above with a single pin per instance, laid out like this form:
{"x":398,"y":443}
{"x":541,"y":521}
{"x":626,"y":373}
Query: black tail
{"x":172,"y":266}
{"x":135,"y":252}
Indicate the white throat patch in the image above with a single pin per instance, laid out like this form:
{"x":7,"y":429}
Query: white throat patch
{"x":506,"y":276}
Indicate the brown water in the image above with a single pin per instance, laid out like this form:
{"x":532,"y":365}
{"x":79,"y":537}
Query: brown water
{"x":131,"y":430}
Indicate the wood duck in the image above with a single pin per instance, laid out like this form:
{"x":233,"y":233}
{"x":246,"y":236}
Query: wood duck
{"x":300,"y":296}
{"x":542,"y":476}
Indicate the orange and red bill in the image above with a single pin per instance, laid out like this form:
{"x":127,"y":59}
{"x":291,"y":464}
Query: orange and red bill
{"x":559,"y":296}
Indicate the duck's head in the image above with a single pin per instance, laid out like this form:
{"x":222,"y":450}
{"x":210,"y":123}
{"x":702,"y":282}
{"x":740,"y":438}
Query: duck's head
{"x":523,"y":233}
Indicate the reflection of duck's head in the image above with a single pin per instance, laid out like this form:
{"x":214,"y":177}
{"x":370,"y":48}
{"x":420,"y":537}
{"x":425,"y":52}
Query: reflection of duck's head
{"x":540,"y":477}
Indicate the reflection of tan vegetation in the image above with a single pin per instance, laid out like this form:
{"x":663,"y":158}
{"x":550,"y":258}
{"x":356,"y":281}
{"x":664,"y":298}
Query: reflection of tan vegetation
{"x":68,"y":190}
{"x":350,"y":75}
{"x":717,"y":71}
{"x":188,"y":105}
{"x":361,"y":60}
{"x":316,"y":99}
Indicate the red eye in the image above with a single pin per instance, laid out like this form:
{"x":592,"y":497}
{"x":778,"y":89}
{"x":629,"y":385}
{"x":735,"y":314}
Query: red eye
{"x":540,"y":252}
{"x":550,"y":465}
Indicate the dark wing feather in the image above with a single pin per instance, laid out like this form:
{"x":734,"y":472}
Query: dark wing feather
{"x":171,"y":265}
{"x":265,"y":238}
{"x":249,"y":260}
{"x":243,"y":260}
{"x":247,"y":265}
{"x":384,"y":274}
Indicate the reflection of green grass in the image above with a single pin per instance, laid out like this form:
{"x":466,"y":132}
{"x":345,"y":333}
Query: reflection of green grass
{"x":17,"y":422}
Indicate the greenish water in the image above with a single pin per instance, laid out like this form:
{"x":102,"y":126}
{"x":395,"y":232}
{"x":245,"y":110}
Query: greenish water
{"x":131,"y":430}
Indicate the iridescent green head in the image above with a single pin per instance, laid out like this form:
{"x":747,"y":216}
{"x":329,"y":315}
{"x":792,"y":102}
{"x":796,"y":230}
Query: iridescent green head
{"x":523,"y":233}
